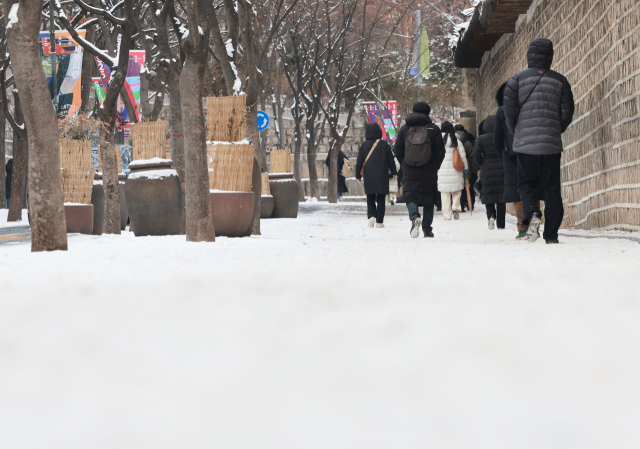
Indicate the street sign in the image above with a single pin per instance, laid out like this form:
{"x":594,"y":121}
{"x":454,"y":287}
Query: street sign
{"x":263,"y":121}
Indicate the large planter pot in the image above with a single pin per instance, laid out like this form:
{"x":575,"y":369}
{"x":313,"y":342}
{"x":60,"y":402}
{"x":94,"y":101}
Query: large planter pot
{"x":266,"y":206}
{"x":232,"y":212}
{"x":97,"y":199}
{"x":284,"y":190}
{"x":79,"y":218}
{"x":154,"y":198}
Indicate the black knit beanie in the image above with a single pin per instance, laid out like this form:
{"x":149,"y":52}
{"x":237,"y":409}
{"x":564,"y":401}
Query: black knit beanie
{"x":422,"y":107}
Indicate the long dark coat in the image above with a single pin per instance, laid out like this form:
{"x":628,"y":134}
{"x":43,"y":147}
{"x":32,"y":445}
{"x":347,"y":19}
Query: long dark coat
{"x":503,"y":142}
{"x":342,"y":181}
{"x":420,"y":183}
{"x":486,"y":156}
{"x":376,"y":170}
{"x":538,"y":115}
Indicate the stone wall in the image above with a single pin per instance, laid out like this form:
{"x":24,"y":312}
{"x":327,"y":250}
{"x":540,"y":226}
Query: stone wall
{"x":597,"y":47}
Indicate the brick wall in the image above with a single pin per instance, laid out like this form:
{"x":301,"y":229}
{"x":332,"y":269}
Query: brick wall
{"x":597,"y":47}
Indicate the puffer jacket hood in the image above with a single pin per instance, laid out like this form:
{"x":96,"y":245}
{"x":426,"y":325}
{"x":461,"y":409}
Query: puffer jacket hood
{"x":488,"y":125}
{"x":540,"y":54}
{"x":500,"y":95}
{"x":417,"y":119}
{"x":373,"y":132}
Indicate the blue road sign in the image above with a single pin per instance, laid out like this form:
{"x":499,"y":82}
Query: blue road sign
{"x":263,"y":121}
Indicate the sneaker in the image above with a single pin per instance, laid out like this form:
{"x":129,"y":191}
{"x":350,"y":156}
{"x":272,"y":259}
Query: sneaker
{"x":552,"y":241}
{"x":372,"y":222}
{"x":379,"y":225}
{"x":522,"y":235}
{"x":456,"y":215}
{"x":428,"y":234}
{"x":492,"y":223}
{"x":415,"y":227}
{"x":532,"y":231}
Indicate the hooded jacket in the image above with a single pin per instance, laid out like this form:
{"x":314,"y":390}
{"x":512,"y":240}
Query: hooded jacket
{"x":486,"y":156}
{"x":503,"y":142}
{"x":538,"y":115}
{"x":419,"y":183}
{"x":380,"y":163}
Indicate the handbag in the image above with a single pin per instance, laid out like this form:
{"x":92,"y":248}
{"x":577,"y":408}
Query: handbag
{"x":457,"y":160}
{"x":368,"y":156}
{"x":347,"y":169}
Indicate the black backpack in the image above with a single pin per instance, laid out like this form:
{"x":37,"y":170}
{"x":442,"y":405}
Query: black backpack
{"x":417,"y":146}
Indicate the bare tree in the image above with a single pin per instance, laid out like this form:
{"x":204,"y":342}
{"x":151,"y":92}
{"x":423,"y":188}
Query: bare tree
{"x":20,"y":151}
{"x":192,"y":84}
{"x":117,"y":24}
{"x":48,"y":223}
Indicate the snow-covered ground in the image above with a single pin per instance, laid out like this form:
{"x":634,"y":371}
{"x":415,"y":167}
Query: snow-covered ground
{"x":322,"y":333}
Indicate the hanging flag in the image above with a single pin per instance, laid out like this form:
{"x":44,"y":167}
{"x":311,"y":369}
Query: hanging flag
{"x":421,"y":55}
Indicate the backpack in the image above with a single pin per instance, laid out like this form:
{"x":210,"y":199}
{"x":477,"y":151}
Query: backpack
{"x":347,"y":169}
{"x":417,"y":146}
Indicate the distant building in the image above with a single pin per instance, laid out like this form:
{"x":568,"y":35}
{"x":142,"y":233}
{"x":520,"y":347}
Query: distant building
{"x":597,"y":47}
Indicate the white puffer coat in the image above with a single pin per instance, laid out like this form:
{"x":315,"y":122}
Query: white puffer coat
{"x":450,"y":179}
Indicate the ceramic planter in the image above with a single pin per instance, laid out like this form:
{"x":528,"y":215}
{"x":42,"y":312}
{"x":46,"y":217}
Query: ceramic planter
{"x":154,"y":198}
{"x":232,"y":212}
{"x":284,"y":190}
{"x":79,"y":218}
{"x":97,"y":199}
{"x":266,"y":206}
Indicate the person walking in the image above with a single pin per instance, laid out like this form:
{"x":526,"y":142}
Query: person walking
{"x":342,"y":181}
{"x":491,"y":175}
{"x":9,"y":177}
{"x":450,"y":180}
{"x":375,"y":160}
{"x":420,"y":150}
{"x":468,"y":142}
{"x":503,"y":143}
{"x":539,"y":107}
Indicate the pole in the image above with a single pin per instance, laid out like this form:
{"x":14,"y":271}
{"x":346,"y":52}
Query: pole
{"x":54,"y":59}
{"x":419,"y":43}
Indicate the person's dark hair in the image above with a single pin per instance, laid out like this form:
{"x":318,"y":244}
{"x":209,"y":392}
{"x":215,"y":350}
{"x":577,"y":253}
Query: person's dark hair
{"x":459,"y":127}
{"x":447,"y":128}
{"x":422,"y":107}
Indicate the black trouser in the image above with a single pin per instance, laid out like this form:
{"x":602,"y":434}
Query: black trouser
{"x":437,"y":200}
{"x":497,"y":211}
{"x":372,"y":210}
{"x":544,"y":170}
{"x":472,"y":177}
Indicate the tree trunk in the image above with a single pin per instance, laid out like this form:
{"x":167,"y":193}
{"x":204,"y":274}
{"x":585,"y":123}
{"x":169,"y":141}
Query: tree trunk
{"x":314,"y":190}
{"x":198,"y":198}
{"x":177,"y":140}
{"x":297,"y":164}
{"x":20,"y":166}
{"x":48,"y":223}
{"x":332,"y":192}
{"x":88,"y":65}
{"x":256,"y":184}
{"x":3,"y":160}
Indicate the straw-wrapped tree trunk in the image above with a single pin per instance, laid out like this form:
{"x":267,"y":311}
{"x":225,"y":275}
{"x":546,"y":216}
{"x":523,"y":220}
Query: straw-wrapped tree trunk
{"x":48,"y":223}
{"x":192,"y":85}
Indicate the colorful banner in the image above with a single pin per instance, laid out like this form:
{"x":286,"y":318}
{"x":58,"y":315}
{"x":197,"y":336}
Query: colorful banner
{"x":384,"y":114}
{"x":68,"y":70}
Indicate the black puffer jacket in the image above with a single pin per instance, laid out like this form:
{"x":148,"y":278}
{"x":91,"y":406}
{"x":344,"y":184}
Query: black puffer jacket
{"x":342,"y":181}
{"x":468,"y":150}
{"x":376,"y":170}
{"x":486,"y":156}
{"x":539,"y":121}
{"x":420,"y":183}
{"x":503,"y":142}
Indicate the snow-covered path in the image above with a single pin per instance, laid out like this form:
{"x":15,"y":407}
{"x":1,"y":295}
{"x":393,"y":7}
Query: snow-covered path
{"x":322,"y":333}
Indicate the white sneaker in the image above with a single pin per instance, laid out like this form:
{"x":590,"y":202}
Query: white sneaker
{"x":492,"y":223}
{"x":533,"y":233}
{"x":379,"y":225}
{"x":415,"y":227}
{"x":372,"y":222}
